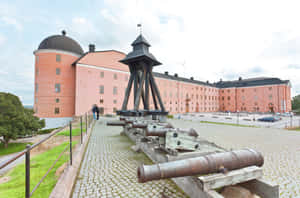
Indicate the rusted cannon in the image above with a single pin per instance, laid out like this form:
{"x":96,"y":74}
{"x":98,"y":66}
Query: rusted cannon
{"x":161,"y":132}
{"x":207,"y":164}
{"x":139,"y":125}
{"x":116,"y":123}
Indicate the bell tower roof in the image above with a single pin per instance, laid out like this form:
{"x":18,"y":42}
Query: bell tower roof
{"x":140,"y":52}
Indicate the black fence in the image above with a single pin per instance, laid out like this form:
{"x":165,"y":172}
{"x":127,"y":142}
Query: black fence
{"x":28,"y":192}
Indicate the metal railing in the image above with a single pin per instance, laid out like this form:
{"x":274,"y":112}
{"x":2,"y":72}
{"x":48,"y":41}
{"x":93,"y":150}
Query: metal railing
{"x":88,"y":121}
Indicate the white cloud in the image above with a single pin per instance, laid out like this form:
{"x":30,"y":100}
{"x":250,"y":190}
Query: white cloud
{"x":2,"y":40}
{"x":213,"y":38}
{"x":12,"y":21}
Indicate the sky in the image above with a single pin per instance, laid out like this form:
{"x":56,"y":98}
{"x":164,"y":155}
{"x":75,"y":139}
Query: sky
{"x":209,"y":40}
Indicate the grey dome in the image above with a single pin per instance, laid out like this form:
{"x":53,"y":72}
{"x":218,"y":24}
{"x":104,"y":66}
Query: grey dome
{"x":61,"y":42}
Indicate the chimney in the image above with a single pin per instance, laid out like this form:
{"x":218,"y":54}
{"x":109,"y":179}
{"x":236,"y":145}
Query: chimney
{"x":240,"y":78}
{"x":92,"y":48}
{"x":176,"y":75}
{"x":221,"y":79}
{"x":207,"y":82}
{"x":64,"y":32}
{"x":166,"y":73}
{"x":192,"y":78}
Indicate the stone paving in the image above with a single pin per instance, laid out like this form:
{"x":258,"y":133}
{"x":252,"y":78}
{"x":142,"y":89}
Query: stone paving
{"x":109,"y":169}
{"x":281,"y":149}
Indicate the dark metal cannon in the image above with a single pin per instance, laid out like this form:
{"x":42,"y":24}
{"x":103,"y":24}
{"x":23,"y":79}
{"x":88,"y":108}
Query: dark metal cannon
{"x":139,"y":125}
{"x":116,"y":123}
{"x":161,"y":132}
{"x":207,"y":164}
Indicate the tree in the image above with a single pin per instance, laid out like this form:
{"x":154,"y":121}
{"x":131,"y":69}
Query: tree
{"x":15,"y":120}
{"x":296,"y":103}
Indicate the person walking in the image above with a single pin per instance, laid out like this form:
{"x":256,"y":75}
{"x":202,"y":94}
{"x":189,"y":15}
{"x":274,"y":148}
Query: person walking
{"x":94,"y":110}
{"x":97,"y":112}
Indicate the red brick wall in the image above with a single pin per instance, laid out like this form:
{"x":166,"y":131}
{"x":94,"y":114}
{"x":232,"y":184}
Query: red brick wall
{"x":46,"y":78}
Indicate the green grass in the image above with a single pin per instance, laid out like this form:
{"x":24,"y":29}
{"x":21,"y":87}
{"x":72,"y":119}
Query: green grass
{"x":38,"y":167}
{"x":230,"y":124}
{"x":294,"y":129}
{"x":12,"y":148}
{"x":75,"y":132}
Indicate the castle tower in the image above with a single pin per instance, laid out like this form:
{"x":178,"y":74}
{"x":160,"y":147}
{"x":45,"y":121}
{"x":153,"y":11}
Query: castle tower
{"x":54,"y":94}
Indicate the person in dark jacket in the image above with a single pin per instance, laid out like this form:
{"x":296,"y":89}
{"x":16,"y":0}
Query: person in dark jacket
{"x":95,"y":110}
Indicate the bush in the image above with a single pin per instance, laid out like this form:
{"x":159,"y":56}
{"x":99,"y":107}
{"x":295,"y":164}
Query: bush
{"x":170,"y":116}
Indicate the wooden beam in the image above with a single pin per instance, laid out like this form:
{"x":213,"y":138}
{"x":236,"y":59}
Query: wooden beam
{"x":127,"y":93}
{"x":153,"y":94}
{"x":143,"y":94}
{"x":147,"y":91}
{"x":218,"y":180}
{"x":135,"y":85}
{"x":138,"y":93}
{"x":157,"y":92}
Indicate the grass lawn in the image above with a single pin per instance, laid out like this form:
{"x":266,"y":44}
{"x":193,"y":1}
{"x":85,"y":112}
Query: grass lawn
{"x":230,"y":124}
{"x":294,"y":129}
{"x":38,"y":167}
{"x":12,"y":148}
{"x":75,"y":132}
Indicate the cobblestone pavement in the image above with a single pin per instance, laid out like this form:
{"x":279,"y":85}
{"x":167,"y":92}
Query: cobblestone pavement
{"x":109,"y":169}
{"x":281,"y":149}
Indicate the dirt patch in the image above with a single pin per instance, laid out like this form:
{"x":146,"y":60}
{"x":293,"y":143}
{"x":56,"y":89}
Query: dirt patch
{"x":4,"y":179}
{"x":52,"y":142}
{"x":237,"y":192}
{"x":61,"y":169}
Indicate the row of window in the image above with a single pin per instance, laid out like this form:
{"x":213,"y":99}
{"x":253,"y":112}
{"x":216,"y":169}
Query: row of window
{"x":58,"y":58}
{"x":56,"y":88}
{"x":243,"y":97}
{"x":228,"y":90}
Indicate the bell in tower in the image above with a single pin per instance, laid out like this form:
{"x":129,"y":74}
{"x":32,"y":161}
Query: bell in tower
{"x":141,"y":62}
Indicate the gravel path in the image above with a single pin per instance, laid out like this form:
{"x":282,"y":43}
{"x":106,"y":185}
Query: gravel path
{"x":109,"y":169}
{"x":281,"y":149}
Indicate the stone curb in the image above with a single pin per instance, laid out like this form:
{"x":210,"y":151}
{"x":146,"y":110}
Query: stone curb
{"x":66,"y":181}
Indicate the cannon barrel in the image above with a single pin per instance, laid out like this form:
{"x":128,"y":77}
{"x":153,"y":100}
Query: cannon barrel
{"x":161,"y":132}
{"x":207,"y":164}
{"x":116,"y":123}
{"x":139,"y":125}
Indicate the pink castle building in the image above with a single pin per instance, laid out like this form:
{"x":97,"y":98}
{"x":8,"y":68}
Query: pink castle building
{"x":68,"y":82}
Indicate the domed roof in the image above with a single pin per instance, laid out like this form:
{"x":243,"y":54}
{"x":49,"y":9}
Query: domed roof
{"x":61,"y":42}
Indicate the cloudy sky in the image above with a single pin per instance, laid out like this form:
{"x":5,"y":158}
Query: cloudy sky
{"x":208,"y":40}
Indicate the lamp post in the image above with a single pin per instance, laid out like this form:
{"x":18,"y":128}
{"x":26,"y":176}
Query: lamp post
{"x":238,"y":115}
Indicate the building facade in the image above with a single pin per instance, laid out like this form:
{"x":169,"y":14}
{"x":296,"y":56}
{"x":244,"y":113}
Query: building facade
{"x":68,"y":82}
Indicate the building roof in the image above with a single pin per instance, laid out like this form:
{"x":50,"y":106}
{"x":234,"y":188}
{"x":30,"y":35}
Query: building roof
{"x":250,"y":82}
{"x":140,"y":39}
{"x":140,"y":52}
{"x":61,"y":42}
{"x":171,"y":77}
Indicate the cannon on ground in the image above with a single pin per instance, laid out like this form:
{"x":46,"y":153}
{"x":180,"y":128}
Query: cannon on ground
{"x":213,"y":163}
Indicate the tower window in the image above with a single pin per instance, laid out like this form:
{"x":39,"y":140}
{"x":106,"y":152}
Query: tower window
{"x":57,"y":100}
{"x":115,"y":90}
{"x":57,"y":71}
{"x":37,"y":71}
{"x":101,"y":101}
{"x":56,"y":110}
{"x":101,"y":74}
{"x":101,"y":89}
{"x":58,"y":57}
{"x":36,"y":87}
{"x":115,"y":101}
{"x":115,"y":76}
{"x":57,"y":88}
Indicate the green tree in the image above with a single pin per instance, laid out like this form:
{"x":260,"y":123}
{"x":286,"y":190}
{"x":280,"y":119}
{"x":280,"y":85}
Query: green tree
{"x":296,"y":103}
{"x":15,"y":120}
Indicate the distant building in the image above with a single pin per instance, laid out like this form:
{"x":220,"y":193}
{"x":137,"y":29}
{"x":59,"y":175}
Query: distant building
{"x":68,"y":82}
